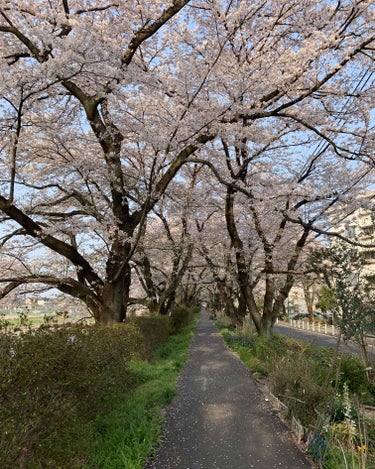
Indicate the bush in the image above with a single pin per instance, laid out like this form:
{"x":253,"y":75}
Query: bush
{"x":271,"y":350}
{"x":180,"y":317}
{"x":155,"y":331}
{"x":195,"y":310}
{"x":297,"y":385}
{"x":52,"y":382}
{"x":352,"y":372}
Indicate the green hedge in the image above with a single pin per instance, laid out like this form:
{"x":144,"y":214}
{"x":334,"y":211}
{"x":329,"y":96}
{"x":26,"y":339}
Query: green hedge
{"x":181,"y":316}
{"x":155,"y":331}
{"x":54,"y":381}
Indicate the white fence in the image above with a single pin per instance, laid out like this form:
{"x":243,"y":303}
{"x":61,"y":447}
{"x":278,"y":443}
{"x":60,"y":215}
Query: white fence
{"x":322,"y":328}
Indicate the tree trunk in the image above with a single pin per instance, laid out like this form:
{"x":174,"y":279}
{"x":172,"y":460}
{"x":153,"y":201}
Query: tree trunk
{"x":116,"y":288}
{"x":309,"y":294}
{"x":115,"y":298}
{"x":266,"y":326}
{"x":242,"y":270}
{"x":242,"y":307}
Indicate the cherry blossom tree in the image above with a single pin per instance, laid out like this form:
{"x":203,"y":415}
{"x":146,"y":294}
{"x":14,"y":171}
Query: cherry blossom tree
{"x":273,"y":215}
{"x":71,"y":73}
{"x":215,"y":250}
{"x":166,"y":250}
{"x":102,"y":104}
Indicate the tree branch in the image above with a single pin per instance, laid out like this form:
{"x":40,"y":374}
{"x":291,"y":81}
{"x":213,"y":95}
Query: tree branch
{"x":35,"y":230}
{"x":146,"y":32}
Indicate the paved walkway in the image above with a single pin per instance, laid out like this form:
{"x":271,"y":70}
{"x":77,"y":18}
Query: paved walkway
{"x":219,"y":419}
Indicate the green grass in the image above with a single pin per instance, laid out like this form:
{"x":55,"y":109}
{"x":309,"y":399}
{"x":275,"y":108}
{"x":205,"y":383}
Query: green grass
{"x":9,"y":322}
{"x":127,"y":436}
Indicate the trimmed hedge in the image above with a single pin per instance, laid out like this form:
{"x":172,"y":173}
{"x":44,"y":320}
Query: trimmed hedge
{"x":54,"y":381}
{"x":181,"y":316}
{"x":154,"y":330}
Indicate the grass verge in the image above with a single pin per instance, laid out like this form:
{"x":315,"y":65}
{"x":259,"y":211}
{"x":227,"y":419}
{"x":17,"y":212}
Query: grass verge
{"x":127,"y":436}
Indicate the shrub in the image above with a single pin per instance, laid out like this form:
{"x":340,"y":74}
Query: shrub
{"x":295,"y":383}
{"x":52,"y":382}
{"x":155,"y":331}
{"x":352,"y":372}
{"x":195,"y":310}
{"x":270,"y":350}
{"x":180,"y":317}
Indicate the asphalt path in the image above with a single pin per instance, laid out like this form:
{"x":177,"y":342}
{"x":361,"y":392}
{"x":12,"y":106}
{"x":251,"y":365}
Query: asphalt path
{"x":219,"y":418}
{"x":323,"y":340}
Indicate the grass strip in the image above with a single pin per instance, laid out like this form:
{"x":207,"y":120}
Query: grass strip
{"x":127,"y":436}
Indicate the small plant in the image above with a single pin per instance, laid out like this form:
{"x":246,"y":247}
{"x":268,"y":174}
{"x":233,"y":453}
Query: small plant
{"x":50,"y":319}
{"x":345,"y":431}
{"x":23,"y":318}
{"x":350,"y":446}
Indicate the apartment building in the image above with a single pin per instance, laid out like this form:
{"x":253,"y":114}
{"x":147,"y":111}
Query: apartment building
{"x":359,"y":226}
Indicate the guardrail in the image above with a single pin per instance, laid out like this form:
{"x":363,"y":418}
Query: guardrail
{"x":322,"y":328}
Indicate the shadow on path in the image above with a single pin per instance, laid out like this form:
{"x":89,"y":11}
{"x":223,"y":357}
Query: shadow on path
{"x":219,"y":419}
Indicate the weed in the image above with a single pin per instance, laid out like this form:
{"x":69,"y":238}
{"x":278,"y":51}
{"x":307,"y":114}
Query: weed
{"x":311,"y":382}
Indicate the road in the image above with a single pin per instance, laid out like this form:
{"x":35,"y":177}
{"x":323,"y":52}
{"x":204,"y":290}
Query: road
{"x":321,"y":339}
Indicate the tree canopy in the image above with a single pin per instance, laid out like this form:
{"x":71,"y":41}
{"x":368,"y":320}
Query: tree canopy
{"x":103,"y":103}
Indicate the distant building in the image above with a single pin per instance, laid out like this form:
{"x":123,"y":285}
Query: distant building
{"x":359,"y":226}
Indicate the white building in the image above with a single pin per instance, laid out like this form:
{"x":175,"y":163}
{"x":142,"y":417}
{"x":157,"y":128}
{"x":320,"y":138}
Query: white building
{"x":359,"y":226}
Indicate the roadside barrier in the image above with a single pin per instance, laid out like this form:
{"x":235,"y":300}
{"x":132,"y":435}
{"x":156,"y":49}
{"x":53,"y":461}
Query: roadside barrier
{"x":322,"y":328}
{"x":316,"y":445}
